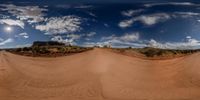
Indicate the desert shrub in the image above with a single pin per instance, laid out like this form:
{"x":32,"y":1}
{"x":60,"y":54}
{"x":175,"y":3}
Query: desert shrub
{"x":62,"y":49}
{"x":150,"y":53}
{"x":44,"y":50}
{"x":35,"y":49}
{"x":26,"y":49}
{"x":18,"y":50}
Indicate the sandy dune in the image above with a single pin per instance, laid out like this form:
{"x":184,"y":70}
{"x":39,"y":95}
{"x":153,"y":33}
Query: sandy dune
{"x":98,"y":75}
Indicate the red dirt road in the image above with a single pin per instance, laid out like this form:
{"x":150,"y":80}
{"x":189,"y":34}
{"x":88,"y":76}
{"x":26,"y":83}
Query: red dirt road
{"x":98,"y":75}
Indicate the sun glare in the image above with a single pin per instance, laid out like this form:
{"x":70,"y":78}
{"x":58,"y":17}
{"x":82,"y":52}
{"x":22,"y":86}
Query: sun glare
{"x":8,"y":29}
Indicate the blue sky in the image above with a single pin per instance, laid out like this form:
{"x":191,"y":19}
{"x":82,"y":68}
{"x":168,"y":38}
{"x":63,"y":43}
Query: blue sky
{"x":154,"y":23}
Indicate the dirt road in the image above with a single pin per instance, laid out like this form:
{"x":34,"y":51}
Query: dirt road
{"x":98,"y":75}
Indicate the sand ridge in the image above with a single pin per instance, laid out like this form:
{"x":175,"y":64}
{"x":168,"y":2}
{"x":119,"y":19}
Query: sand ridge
{"x":98,"y":75}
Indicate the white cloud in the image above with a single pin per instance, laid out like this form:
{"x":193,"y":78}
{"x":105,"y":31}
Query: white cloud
{"x":89,"y":44}
{"x":188,"y":37}
{"x":61,"y":25}
{"x":130,"y":37}
{"x":185,"y":14}
{"x":172,"y":3}
{"x":26,"y":37}
{"x":9,"y":40}
{"x":1,"y":39}
{"x":145,"y":19}
{"x":4,"y":16}
{"x":23,"y":45}
{"x":67,"y":39}
{"x":154,"y":18}
{"x":22,"y":35}
{"x":91,"y":34}
{"x":60,"y":39}
{"x":190,"y":43}
{"x":126,"y":23}
{"x":155,"y":44}
{"x":84,"y":6}
{"x":57,"y":38}
{"x":32,"y":14}
{"x":74,"y":36}
{"x":130,"y":13}
{"x":108,"y":37}
{"x":92,"y":14}
{"x":12,"y":22}
{"x":125,"y":40}
{"x":115,"y":43}
{"x":78,"y":6}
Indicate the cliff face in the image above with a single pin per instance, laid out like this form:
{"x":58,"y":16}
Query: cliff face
{"x":47,"y":43}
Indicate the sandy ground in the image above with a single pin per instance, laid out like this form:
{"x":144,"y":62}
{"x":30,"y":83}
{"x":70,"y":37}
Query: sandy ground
{"x":98,"y":75}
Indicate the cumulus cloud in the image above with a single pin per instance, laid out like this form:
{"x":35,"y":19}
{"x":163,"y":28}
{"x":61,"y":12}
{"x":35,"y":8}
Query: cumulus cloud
{"x":133,"y":41}
{"x":67,"y":39}
{"x":154,"y":18}
{"x":61,"y":25}
{"x":4,"y":42}
{"x":150,"y":19}
{"x":32,"y":14}
{"x":12,"y":22}
{"x":190,"y":43}
{"x":117,"y":41}
{"x":128,"y":39}
{"x":60,"y":39}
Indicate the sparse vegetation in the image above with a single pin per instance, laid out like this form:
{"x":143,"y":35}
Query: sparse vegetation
{"x":49,"y":49}
{"x":154,"y":52}
{"x":53,"y":49}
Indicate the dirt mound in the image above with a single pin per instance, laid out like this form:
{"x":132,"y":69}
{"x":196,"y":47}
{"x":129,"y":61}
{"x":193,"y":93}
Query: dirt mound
{"x":98,"y":75}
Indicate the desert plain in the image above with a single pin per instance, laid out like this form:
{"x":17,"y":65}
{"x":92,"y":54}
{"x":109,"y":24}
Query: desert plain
{"x":98,"y":74}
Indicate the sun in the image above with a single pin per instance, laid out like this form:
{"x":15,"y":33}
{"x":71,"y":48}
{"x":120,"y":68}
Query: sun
{"x":8,"y":29}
